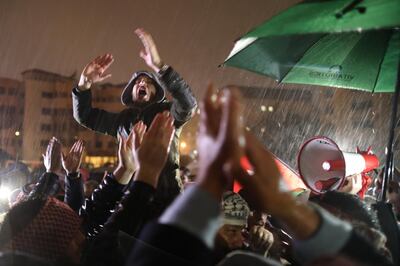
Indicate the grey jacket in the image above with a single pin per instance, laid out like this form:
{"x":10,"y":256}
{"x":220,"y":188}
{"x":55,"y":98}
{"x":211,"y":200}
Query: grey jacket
{"x":181,"y":107}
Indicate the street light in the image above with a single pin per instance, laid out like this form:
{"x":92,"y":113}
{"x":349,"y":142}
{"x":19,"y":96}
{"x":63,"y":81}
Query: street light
{"x":17,"y":133}
{"x":4,"y":193}
{"x":183,"y":145}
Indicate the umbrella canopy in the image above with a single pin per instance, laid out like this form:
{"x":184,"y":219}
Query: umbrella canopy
{"x":337,"y":43}
{"x":329,"y":43}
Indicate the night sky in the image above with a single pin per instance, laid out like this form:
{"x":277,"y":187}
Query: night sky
{"x":193,"y":36}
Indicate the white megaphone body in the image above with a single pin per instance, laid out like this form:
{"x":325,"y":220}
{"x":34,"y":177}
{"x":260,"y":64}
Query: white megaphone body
{"x":324,"y":167}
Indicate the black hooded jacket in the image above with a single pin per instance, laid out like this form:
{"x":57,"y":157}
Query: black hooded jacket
{"x":182,"y":107}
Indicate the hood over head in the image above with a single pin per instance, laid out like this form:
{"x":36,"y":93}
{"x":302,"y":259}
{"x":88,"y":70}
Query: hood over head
{"x":126,"y":96}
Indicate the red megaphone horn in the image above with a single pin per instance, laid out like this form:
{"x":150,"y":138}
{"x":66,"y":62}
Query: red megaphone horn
{"x":323,"y":166}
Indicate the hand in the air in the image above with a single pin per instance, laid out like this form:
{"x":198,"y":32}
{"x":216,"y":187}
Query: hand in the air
{"x":94,"y":72}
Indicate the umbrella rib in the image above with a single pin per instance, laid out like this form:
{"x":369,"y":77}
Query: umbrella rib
{"x":301,"y":57}
{"x":380,"y":67}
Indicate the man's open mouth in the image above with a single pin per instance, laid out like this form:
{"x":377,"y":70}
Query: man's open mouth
{"x":142,"y":92}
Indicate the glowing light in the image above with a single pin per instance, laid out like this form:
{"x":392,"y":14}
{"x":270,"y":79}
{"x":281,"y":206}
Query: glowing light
{"x":183,"y":145}
{"x":326,"y":166}
{"x":263,"y":108}
{"x":17,"y":133}
{"x":4,"y":193}
{"x":270,"y":108}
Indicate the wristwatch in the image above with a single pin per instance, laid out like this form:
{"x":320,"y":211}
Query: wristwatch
{"x":163,"y":69}
{"x":87,"y":83}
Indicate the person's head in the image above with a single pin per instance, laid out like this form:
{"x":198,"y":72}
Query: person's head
{"x":235,"y":213}
{"x":143,"y":88}
{"x":350,"y":208}
{"x":46,"y":228}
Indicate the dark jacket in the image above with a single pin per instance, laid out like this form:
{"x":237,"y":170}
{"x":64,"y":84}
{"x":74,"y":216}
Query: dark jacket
{"x":48,"y":185}
{"x":101,"y":204}
{"x":162,"y":244}
{"x":114,"y":243}
{"x":74,"y":195}
{"x":181,"y":108}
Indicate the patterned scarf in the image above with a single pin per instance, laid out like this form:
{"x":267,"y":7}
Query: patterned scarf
{"x":50,"y":233}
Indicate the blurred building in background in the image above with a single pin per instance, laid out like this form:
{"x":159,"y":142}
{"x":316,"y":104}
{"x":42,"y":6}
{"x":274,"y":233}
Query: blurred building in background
{"x":12,"y":100}
{"x":40,"y":106}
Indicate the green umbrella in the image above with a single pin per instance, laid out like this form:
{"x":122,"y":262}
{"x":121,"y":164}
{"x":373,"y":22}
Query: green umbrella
{"x":309,"y":44}
{"x":337,"y":43}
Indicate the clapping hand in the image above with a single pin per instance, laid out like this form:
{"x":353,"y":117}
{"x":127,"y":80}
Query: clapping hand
{"x":72,"y":161}
{"x":52,"y":157}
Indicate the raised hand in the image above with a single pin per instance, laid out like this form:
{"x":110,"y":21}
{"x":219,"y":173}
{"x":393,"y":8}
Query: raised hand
{"x":52,"y":157}
{"x":149,"y":53}
{"x":264,"y":181}
{"x":126,"y":162}
{"x":220,"y":138}
{"x":260,"y":239}
{"x":139,"y":130}
{"x":72,"y":161}
{"x":95,"y":71}
{"x":263,"y":185}
{"x":352,"y":185}
{"x":152,"y":153}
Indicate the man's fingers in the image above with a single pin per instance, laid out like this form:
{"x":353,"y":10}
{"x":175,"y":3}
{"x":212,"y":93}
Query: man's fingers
{"x":107,"y":61}
{"x":97,"y":60}
{"x":155,"y":124}
{"x":230,"y":126}
{"x":103,"y":77}
{"x":143,"y":54}
{"x":210,"y":98}
{"x":74,"y":147}
{"x":234,"y":169}
{"x":104,"y":59}
{"x":259,"y":157}
{"x":131,"y":138}
{"x":145,"y":38}
{"x":210,"y":111}
{"x":63,"y":157}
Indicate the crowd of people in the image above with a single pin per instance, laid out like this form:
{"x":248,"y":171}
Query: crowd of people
{"x":142,"y":214}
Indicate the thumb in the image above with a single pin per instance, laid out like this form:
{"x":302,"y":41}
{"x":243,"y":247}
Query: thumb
{"x":143,"y":54}
{"x":63,"y":157}
{"x":105,"y":77}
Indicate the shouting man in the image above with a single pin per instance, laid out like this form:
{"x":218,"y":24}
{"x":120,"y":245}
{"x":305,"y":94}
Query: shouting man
{"x":144,"y":97}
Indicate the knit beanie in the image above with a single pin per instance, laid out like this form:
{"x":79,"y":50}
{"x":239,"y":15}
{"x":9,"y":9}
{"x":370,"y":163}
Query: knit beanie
{"x":235,"y":209}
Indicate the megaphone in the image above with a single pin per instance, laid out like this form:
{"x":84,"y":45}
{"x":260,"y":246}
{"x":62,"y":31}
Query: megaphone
{"x":324,"y":167}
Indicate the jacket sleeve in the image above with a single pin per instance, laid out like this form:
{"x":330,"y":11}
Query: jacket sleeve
{"x":184,"y":103}
{"x":164,"y":244}
{"x":98,"y":208}
{"x":94,"y":118}
{"x":131,"y":213}
{"x":48,"y":185}
{"x":113,"y":244}
{"x":74,"y":195}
